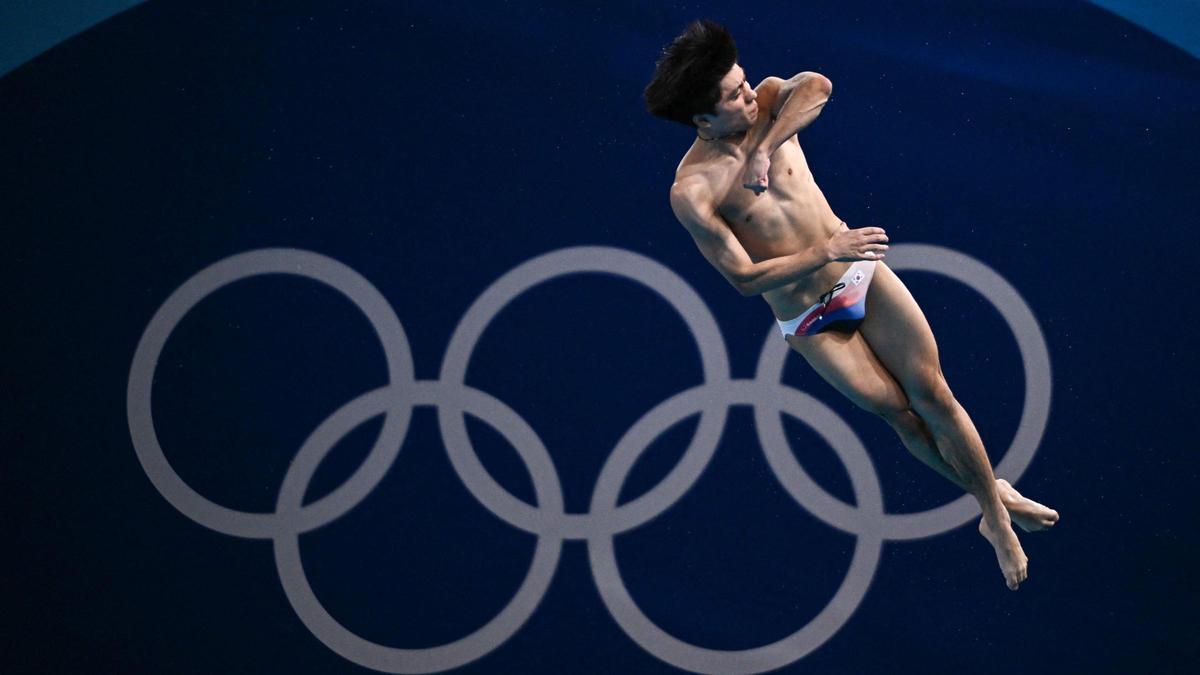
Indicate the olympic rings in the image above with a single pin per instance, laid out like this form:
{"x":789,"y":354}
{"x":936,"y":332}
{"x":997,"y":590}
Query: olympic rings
{"x":548,"y":520}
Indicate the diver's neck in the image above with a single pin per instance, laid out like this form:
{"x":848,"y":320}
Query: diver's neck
{"x":727,"y":143}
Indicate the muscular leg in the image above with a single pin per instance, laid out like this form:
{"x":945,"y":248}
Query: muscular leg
{"x":896,"y":330}
{"x":898,"y":333}
{"x":850,"y":364}
{"x":847,"y":362}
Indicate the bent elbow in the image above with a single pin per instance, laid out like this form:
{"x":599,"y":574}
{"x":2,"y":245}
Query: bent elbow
{"x":739,"y":278}
{"x":747,"y":280}
{"x":819,"y":84}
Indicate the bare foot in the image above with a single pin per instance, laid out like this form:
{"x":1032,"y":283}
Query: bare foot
{"x":1009,"y":553}
{"x":1026,"y":513}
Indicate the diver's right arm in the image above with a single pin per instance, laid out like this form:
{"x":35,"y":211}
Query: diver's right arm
{"x":692,"y":202}
{"x":772,"y":273}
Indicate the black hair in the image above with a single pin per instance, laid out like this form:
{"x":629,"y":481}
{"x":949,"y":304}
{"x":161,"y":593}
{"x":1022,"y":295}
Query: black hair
{"x":687,"y":79}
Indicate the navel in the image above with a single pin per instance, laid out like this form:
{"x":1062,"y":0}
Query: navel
{"x":748,"y":218}
{"x":789,"y":172}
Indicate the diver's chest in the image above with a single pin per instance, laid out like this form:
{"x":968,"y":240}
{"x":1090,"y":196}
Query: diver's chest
{"x":785,"y":194}
{"x":763,"y":227}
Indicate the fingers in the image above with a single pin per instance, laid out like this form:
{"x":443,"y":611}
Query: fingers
{"x":872,"y":233}
{"x":873,"y":251}
{"x":864,"y":243}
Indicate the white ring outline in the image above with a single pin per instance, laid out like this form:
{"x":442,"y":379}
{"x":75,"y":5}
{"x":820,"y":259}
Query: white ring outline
{"x":714,"y":361}
{"x":211,"y":279}
{"x":482,"y":641}
{"x":829,"y":620}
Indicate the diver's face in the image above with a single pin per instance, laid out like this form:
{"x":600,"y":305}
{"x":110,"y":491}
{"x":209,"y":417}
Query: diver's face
{"x":737,"y":108}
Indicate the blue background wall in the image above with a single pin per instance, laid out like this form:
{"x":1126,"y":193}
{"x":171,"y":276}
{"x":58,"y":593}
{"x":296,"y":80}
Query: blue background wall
{"x":433,"y":149}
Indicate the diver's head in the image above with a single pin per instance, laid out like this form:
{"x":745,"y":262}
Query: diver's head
{"x":699,"y":83}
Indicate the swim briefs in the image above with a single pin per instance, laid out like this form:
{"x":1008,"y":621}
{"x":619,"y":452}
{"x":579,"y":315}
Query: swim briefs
{"x":845,"y":302}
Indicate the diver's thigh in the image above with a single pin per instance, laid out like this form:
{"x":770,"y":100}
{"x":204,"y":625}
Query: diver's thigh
{"x":847,"y":362}
{"x":897,"y":332}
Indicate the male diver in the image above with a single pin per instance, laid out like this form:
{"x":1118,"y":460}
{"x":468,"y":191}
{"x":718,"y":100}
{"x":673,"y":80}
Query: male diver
{"x":745,"y":193}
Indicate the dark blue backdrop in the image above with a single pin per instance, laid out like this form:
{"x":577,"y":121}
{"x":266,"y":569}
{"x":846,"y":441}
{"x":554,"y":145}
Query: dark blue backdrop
{"x":434,"y":148}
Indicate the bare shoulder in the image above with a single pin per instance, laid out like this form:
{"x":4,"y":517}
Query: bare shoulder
{"x":691,"y":196}
{"x":768,"y":90}
{"x":699,"y":175}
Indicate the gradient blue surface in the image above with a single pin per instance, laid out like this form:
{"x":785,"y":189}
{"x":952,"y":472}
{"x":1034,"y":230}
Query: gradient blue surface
{"x":29,"y":27}
{"x":434,"y":148}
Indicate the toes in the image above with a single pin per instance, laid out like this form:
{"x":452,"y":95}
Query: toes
{"x":1015,"y":581}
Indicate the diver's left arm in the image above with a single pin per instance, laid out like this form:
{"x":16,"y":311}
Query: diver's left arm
{"x":793,"y":105}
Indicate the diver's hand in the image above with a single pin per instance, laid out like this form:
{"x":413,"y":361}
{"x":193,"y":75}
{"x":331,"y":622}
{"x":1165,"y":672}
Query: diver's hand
{"x":755,"y":177}
{"x":864,"y":243}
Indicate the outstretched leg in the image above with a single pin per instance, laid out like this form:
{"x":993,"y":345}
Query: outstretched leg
{"x":916,"y":436}
{"x":847,"y":363}
{"x":898,"y":333}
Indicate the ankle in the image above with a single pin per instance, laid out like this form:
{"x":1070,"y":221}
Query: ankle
{"x":994,"y":514}
{"x":1007,"y":493}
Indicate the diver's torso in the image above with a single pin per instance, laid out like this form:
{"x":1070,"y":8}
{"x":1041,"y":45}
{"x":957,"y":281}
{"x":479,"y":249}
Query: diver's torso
{"x":790,"y":216}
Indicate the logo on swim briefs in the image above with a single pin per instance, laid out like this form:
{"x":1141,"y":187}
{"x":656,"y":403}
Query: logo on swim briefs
{"x":857,"y":278}
{"x":863,"y":517}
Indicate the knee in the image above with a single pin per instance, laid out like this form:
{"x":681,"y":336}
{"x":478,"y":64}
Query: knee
{"x":885,"y":398}
{"x":904,"y":420}
{"x":892,"y":406}
{"x":931,"y":396}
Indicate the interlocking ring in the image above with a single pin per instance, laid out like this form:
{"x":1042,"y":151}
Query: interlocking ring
{"x":549,"y":520}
